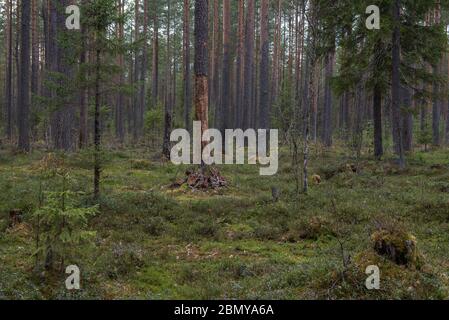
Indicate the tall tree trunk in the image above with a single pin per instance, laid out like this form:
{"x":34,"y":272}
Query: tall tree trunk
{"x":35,"y":49}
{"x":186,"y":50}
{"x":436,"y":110}
{"x":310,"y":93}
{"x":155,"y":62}
{"x":407,"y":119}
{"x":238,"y":116}
{"x":214,"y":74}
{"x":97,"y":128}
{"x":62,"y":122}
{"x":377,"y":117}
{"x":201,"y":59}
{"x":137,"y":65}
{"x":377,"y":105}
{"x":83,"y":95}
{"x":327,"y":112}
{"x":226,"y":67}
{"x":119,"y":123}
{"x":264,"y":67}
{"x":276,"y":55}
{"x":168,"y":103}
{"x":143,"y":67}
{"x":249,"y":65}
{"x":8,"y":75}
{"x":396,"y":83}
{"x":23,"y":98}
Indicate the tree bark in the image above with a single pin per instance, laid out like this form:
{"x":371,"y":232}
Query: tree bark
{"x":201,"y":59}
{"x":377,"y":117}
{"x":186,"y":50}
{"x":97,"y":128}
{"x":155,"y":62}
{"x":168,"y":103}
{"x":83,"y":138}
{"x":143,"y":67}
{"x":249,"y":65}
{"x":396,"y":83}
{"x":436,"y":110}
{"x":238,"y":115}
{"x":23,"y":98}
{"x":264,"y":80}
{"x":225,"y":91}
{"x":35,"y":49}
{"x":120,"y":101}
{"x":327,"y":112}
{"x":8,"y":75}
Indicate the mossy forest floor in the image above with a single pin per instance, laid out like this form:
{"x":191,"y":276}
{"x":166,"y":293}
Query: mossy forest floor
{"x":153,"y":242}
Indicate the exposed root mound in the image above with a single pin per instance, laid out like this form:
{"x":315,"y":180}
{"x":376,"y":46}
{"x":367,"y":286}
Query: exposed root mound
{"x":202,"y":179}
{"x":396,"y":244}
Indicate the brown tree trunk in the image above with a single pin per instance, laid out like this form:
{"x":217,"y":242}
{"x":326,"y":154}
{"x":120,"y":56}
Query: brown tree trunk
{"x":137,"y":65}
{"x":168,"y":103}
{"x":35,"y":49}
{"x":201,"y":74}
{"x":143,"y":68}
{"x":83,"y":139}
{"x":396,"y":83}
{"x":186,"y":51}
{"x":119,"y":123}
{"x":8,"y":74}
{"x":328,"y":99}
{"x":264,"y":67}
{"x":249,"y":65}
{"x":23,"y":98}
{"x":155,"y":62}
{"x":97,"y":128}
{"x":226,"y":67}
{"x":238,"y":116}
{"x":276,"y":55}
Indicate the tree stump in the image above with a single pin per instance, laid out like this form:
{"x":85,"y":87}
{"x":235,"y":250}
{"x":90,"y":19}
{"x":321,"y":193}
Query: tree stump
{"x":15,"y":217}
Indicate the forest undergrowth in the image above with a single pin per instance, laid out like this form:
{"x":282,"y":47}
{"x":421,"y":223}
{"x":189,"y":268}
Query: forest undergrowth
{"x":238,"y":242}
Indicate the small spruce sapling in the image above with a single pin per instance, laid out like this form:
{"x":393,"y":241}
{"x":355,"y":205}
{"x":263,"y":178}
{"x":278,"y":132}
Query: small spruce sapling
{"x":61,"y":224}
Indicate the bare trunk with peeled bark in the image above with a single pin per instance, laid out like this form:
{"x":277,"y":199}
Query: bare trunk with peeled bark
{"x":201,"y":58}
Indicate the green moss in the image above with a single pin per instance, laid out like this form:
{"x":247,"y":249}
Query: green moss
{"x":159,"y":243}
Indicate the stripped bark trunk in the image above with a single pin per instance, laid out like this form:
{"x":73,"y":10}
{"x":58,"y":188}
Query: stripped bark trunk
{"x":201,"y":59}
